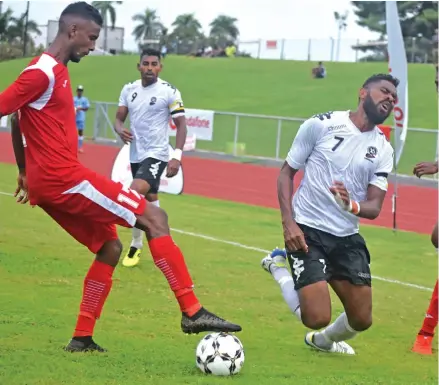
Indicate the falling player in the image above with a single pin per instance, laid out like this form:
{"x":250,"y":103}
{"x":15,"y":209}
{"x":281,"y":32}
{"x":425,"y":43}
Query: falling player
{"x":424,"y":339}
{"x":150,"y":102}
{"x":85,"y":204}
{"x":346,"y":161}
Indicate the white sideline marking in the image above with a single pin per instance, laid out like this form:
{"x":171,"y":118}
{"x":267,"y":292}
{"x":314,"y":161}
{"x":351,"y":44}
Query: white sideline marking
{"x":259,"y":250}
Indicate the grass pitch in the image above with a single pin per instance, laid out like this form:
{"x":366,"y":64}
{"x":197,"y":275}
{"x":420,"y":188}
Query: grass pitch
{"x":41,"y":273}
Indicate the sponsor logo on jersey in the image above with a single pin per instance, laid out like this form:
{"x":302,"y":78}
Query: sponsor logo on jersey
{"x":336,"y":128}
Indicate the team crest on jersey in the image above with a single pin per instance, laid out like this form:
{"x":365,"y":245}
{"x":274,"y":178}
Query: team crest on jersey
{"x":371,"y":152}
{"x":153,"y":101}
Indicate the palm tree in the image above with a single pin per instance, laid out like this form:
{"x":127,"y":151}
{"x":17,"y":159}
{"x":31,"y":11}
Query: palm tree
{"x":106,"y":8}
{"x":17,"y":29}
{"x":341,"y":24}
{"x":186,"y":32}
{"x":5,"y":21}
{"x":148,"y":27}
{"x":223,"y":29}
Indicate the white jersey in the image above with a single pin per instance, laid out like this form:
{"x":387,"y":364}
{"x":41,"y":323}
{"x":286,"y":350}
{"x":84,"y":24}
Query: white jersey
{"x":331,"y":148}
{"x":150,"y":109}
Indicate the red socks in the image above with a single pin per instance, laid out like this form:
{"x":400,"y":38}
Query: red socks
{"x":431,"y":318}
{"x":169,"y":259}
{"x":97,"y":286}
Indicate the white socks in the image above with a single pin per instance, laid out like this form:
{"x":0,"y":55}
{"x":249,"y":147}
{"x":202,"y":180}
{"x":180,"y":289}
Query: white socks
{"x":339,"y":330}
{"x":286,"y":283}
{"x":137,"y":240}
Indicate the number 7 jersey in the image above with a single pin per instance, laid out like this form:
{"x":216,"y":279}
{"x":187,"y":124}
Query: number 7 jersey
{"x":329,"y":147}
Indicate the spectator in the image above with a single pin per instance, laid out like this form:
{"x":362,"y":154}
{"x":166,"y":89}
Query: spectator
{"x":319,"y":72}
{"x":81,"y":107}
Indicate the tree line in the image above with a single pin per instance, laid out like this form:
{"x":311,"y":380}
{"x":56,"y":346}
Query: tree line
{"x":419,"y":25}
{"x":419,"y":20}
{"x":16,"y":34}
{"x":184,"y":36}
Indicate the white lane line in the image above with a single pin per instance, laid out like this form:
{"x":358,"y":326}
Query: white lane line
{"x":259,"y":250}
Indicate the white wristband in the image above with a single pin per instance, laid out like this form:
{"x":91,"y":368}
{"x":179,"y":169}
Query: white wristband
{"x":177,"y":154}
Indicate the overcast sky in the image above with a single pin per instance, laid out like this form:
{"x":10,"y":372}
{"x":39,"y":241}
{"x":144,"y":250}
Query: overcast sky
{"x":273,"y":19}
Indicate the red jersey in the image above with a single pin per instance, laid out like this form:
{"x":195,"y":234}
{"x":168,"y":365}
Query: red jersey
{"x":43,"y":95}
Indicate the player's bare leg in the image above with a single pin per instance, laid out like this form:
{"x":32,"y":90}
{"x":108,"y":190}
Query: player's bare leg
{"x":315,"y":305}
{"x":169,"y":259}
{"x":97,"y":286}
{"x":357,"y":302}
{"x":132,"y":257}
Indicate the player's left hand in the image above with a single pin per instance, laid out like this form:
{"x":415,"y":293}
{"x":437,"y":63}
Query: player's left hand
{"x":341,"y":195}
{"x":173,"y":167}
{"x":21,"y":192}
{"x":425,"y":168}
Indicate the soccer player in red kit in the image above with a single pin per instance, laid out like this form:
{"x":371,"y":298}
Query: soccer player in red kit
{"x":85,"y":204}
{"x":424,"y":339}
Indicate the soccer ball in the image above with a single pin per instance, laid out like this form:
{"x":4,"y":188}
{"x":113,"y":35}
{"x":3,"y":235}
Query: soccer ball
{"x":220,"y":354}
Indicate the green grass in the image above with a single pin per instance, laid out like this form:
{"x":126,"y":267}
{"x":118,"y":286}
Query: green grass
{"x":41,"y":273}
{"x":270,"y":87}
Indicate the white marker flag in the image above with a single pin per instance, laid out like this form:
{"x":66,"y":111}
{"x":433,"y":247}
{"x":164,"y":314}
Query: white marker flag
{"x":398,"y":68}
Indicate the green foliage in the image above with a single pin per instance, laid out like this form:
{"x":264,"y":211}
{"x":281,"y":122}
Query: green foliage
{"x":418,"y":18}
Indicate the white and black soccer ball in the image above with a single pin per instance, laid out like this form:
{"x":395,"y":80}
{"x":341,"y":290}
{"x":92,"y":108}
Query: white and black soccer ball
{"x":220,"y":354}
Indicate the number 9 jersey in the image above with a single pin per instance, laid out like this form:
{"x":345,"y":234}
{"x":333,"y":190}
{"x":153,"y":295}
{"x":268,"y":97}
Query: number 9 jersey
{"x":150,"y":109}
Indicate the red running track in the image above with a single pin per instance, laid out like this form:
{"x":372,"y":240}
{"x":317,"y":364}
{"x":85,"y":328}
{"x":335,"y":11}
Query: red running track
{"x":256,"y":185}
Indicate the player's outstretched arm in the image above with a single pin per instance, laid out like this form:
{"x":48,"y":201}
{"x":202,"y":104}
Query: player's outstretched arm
{"x":28,"y":88}
{"x":425,"y":168}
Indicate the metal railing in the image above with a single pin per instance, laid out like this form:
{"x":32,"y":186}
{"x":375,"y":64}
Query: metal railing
{"x":252,"y":136}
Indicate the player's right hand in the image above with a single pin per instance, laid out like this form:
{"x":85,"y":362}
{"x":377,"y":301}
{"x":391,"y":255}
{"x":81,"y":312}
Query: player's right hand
{"x":21,"y":191}
{"x":125,"y":135}
{"x":294,"y":238}
{"x":425,"y":168}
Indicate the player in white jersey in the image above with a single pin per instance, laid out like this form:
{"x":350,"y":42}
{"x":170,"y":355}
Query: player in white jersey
{"x":150,"y":102}
{"x":346,"y":161}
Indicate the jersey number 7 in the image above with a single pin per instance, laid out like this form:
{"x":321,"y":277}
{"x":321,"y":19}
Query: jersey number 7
{"x":339,"y":140}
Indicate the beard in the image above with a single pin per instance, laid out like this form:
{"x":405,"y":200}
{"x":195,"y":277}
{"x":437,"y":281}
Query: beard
{"x":373,"y":113}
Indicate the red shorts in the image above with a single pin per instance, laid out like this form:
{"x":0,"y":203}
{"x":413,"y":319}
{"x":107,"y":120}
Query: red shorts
{"x":90,"y":210}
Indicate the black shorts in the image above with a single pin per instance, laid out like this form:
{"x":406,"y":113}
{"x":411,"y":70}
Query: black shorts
{"x":330,"y":258}
{"x":149,"y":170}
